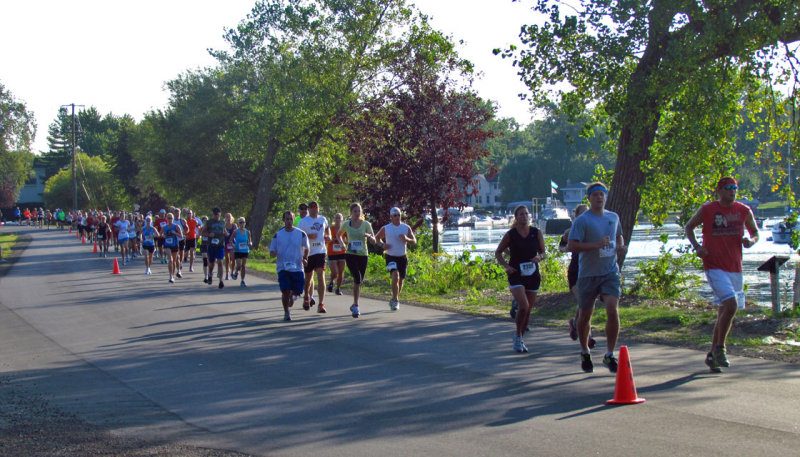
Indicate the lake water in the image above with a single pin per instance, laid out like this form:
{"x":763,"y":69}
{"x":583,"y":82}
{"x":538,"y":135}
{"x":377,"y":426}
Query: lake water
{"x":645,"y":244}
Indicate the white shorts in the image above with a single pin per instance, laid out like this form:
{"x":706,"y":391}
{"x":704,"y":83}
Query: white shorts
{"x":726,"y":285}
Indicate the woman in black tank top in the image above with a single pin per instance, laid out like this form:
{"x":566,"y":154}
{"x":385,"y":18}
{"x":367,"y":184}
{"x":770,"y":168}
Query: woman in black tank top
{"x":526,"y":248}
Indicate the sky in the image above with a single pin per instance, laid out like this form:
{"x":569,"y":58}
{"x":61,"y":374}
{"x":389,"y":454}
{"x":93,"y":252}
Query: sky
{"x":116,"y":56}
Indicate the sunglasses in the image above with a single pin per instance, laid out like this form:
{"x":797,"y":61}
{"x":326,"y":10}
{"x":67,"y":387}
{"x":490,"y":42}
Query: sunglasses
{"x":731,"y":186}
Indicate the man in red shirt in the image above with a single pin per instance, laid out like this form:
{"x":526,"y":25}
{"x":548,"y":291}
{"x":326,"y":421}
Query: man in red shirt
{"x":723,"y":224}
{"x":115,"y":230}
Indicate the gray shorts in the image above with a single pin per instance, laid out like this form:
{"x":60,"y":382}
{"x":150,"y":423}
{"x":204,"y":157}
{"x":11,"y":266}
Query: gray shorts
{"x":591,"y":287}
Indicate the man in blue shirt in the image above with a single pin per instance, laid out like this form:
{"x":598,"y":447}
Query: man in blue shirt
{"x":597,"y":236}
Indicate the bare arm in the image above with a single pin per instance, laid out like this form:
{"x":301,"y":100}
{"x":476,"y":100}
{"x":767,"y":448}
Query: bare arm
{"x":693,"y":223}
{"x":752,"y":229}
{"x":498,"y":254}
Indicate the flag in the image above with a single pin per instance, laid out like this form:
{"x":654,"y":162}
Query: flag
{"x":554,"y":186}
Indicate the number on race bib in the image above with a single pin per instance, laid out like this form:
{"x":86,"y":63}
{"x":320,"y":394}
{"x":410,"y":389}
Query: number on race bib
{"x":99,"y":237}
{"x":289,"y":266}
{"x":356,"y":245}
{"x":215,"y":241}
{"x":608,"y":251}
{"x":391,"y":266}
{"x":242,"y":246}
{"x":527,"y":268}
{"x":337,"y":247}
{"x":316,"y":244}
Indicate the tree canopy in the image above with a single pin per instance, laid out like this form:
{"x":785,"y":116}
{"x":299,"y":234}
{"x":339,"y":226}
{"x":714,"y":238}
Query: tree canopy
{"x":666,"y":79}
{"x":17,"y":130}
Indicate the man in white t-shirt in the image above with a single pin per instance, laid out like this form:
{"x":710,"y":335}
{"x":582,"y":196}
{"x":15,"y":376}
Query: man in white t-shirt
{"x":396,"y":236}
{"x":318,"y":232}
{"x":290,"y":246}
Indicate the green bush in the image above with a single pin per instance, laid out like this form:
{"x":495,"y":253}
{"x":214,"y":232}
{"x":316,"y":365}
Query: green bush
{"x":668,"y":275}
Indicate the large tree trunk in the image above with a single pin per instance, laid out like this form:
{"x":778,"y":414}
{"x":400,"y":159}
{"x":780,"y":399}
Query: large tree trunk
{"x":435,"y":227}
{"x":262,"y":205}
{"x":637,"y":136}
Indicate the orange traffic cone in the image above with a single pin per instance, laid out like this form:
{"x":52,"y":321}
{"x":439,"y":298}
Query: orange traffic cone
{"x":83,"y":240}
{"x":625,"y":390}
{"x":70,"y":229}
{"x":115,"y":271}
{"x":77,"y":234}
{"x":95,"y":247}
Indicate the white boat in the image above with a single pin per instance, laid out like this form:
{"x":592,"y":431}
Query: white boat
{"x":554,"y":218}
{"x":782,"y":234}
{"x":483,"y":222}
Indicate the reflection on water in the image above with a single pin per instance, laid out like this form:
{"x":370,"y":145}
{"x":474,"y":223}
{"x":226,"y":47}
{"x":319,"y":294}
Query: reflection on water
{"x":645,"y":244}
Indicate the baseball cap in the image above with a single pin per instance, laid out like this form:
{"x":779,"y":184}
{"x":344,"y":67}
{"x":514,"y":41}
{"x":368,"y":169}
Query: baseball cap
{"x":395,"y":210}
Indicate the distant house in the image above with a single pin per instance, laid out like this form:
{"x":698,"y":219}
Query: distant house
{"x":488,"y":195}
{"x":572,"y":194}
{"x":32,"y":192}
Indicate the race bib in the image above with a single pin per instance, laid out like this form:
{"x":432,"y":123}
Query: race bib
{"x":527,"y":268}
{"x":391,"y":266}
{"x":99,"y":236}
{"x":608,"y":251}
{"x":289,"y":266}
{"x":316,"y":245}
{"x":215,"y":241}
{"x":243,"y":246}
{"x":356,"y":245}
{"x":337,"y":247}
{"x":170,"y":240}
{"x":162,"y":224}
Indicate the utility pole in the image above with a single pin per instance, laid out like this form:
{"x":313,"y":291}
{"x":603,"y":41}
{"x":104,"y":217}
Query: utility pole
{"x":74,"y":175}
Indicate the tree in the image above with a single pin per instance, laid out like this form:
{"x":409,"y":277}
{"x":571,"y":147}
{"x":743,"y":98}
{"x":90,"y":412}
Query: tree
{"x":59,"y":141}
{"x":665,"y":75}
{"x":419,"y":142}
{"x":298,"y":66}
{"x":17,"y":130}
{"x":97,"y":187}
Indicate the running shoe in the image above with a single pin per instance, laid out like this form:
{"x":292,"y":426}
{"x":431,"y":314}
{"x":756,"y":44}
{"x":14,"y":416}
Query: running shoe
{"x":227,"y":278}
{"x":354,"y":310}
{"x":306,"y":305}
{"x":712,"y":363}
{"x":312,"y":301}
{"x":321,"y":309}
{"x":586,"y":363}
{"x":171,"y":280}
{"x":592,"y":343}
{"x":395,"y":306}
{"x":221,"y":284}
{"x":242,"y":284}
{"x":179,"y":275}
{"x":720,"y":358}
{"x":234,"y":275}
{"x":287,"y":316}
{"x":573,"y":331}
{"x":330,"y":286}
{"x":338,"y":291}
{"x":611,"y":362}
{"x":522,"y":343}
{"x":517,"y":344}
{"x":191,"y":269}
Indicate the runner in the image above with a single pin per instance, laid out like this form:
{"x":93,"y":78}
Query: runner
{"x":103,"y":234}
{"x":572,"y":278}
{"x":204,"y":247}
{"x":241,"y":249}
{"x":723,"y":224}
{"x":132,"y":238}
{"x":290,"y":246}
{"x":122,"y":235}
{"x":181,"y":241}
{"x":138,"y":228}
{"x":358,"y":233}
{"x":40,"y":219}
{"x":115,"y":230}
{"x":526,"y":248}
{"x":597,"y":236}
{"x":396,"y":236}
{"x":336,"y":255}
{"x":172,"y":232}
{"x":17,"y":215}
{"x":149,"y":236}
{"x":160,"y":222}
{"x":318,"y":232}
{"x":191,"y":238}
{"x":303,"y":210}
{"x":230,"y":262}
{"x":214,"y":229}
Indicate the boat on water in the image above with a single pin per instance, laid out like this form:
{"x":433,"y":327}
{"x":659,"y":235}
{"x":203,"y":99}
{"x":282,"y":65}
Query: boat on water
{"x":483,"y":222}
{"x":782,"y":233}
{"x":554,"y":218}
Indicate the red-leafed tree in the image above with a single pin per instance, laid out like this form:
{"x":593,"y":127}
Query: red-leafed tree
{"x":417,"y":144}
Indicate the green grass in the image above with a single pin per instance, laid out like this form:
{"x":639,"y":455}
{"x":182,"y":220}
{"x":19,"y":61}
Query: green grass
{"x":771,"y":205}
{"x":7,"y":241}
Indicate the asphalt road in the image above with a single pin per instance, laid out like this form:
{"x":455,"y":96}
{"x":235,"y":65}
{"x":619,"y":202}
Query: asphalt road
{"x":220,"y":368}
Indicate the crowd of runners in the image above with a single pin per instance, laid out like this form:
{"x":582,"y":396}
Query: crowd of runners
{"x":307,"y":245}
